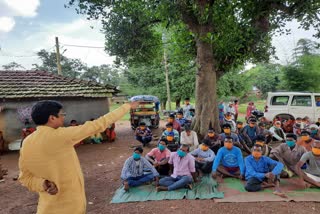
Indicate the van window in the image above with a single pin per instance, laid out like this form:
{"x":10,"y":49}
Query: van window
{"x":317,"y":101}
{"x":301,"y":101}
{"x":280,"y":100}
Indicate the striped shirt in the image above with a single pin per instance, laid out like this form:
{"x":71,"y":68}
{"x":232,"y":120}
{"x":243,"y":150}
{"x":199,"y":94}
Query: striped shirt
{"x":134,"y":168}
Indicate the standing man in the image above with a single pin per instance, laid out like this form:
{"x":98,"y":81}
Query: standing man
{"x":236,"y":109}
{"x":230,"y":109}
{"x":186,"y":109}
{"x":48,"y":161}
{"x":143,"y":134}
{"x":184,"y":170}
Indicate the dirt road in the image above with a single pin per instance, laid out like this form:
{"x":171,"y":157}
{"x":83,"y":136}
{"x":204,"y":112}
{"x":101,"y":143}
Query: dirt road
{"x":101,"y":166}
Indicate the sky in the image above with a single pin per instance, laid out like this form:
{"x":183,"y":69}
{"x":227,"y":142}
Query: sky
{"x":27,"y":26}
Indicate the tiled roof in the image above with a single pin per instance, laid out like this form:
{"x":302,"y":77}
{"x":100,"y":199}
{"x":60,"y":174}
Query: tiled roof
{"x":24,"y":84}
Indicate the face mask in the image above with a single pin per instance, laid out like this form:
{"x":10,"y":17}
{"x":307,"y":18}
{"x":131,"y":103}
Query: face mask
{"x":142,"y":127}
{"x":256,"y":154}
{"x":169,"y":129}
{"x":228,"y":145}
{"x":136,"y":156}
{"x":169,"y":138}
{"x":181,"y":153}
{"x":211,"y":134}
{"x":170,"y":120}
{"x":191,"y":114}
{"x":314,"y":131}
{"x":227,"y":131}
{"x":304,"y":138}
{"x":316,"y":151}
{"x":290,"y":143}
{"x":204,"y":148}
{"x":161,"y":147}
{"x":228,"y":117}
{"x":260,"y":143}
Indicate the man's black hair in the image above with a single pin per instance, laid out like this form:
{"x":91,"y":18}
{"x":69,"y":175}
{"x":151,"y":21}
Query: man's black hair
{"x":239,"y":122}
{"x":228,"y":139}
{"x":305,"y":132}
{"x":172,"y":116}
{"x":226,"y":125}
{"x":142,"y":124}
{"x":292,"y":136}
{"x":139,"y":149}
{"x":206,"y":142}
{"x":260,"y":138}
{"x":180,"y":112}
{"x":169,"y":125}
{"x":257,"y":145}
{"x":73,"y":121}
{"x":42,"y":110}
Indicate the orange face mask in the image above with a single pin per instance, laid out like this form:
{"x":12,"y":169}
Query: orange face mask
{"x":260,"y":143}
{"x":227,"y":131}
{"x":142,"y":127}
{"x":256,"y":154}
{"x":304,"y":138}
{"x":228,"y":145}
{"x":169,"y":129}
{"x":229,"y":117}
{"x":170,"y":138}
{"x":316,"y":151}
{"x":204,"y":148}
{"x":211,"y":134}
{"x":170,"y":120}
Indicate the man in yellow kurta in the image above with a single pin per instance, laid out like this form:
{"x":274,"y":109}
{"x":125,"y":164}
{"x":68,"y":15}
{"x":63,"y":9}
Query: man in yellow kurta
{"x":48,"y":162}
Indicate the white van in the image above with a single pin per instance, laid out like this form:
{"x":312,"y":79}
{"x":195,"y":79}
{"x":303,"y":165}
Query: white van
{"x":292,"y":105}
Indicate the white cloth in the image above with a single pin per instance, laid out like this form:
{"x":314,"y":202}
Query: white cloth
{"x":191,"y":140}
{"x":313,"y":177}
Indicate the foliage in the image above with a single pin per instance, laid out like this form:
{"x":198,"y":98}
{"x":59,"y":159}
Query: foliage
{"x":104,"y":74}
{"x":70,"y":67}
{"x":12,"y":66}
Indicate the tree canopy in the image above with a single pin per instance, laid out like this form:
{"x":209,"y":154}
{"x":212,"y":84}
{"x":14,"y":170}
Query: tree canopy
{"x":223,"y":34}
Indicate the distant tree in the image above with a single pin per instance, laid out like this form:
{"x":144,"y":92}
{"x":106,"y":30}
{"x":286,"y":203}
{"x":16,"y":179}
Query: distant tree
{"x":70,"y":67}
{"x":306,"y":47}
{"x":104,"y":74}
{"x":12,"y":66}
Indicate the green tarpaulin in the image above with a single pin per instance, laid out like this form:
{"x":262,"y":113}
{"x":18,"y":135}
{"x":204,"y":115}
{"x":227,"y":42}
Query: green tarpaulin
{"x":206,"y":189}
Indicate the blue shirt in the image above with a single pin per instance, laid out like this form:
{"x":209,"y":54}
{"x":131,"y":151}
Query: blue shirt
{"x":208,"y":155}
{"x":258,"y":169}
{"x":234,"y":137}
{"x":250,"y":131}
{"x":182,"y":121}
{"x":229,"y":158}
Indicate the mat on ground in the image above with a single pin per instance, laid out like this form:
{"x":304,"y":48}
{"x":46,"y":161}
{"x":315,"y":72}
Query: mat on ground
{"x":206,"y":189}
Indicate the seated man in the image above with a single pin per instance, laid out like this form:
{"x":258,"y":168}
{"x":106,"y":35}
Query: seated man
{"x":250,"y":132}
{"x":265,"y":132}
{"x":261,"y":140}
{"x":213,"y":140}
{"x":315,"y":133}
{"x":159,"y":157}
{"x":172,"y":144}
{"x":204,"y":158}
{"x":305,"y":140}
{"x":96,"y":138}
{"x":262,"y":172}
{"x":183,"y":165}
{"x":181,"y":120}
{"x":297,"y":126}
{"x":278,"y":134}
{"x":235,"y":139}
{"x":190,"y":138}
{"x":132,"y":172}
{"x":312,"y":173}
{"x":175,"y":124}
{"x":288,"y":154}
{"x":169,"y":128}
{"x":229,"y":161}
{"x":73,"y":123}
{"x":143,"y":134}
{"x":228,"y":119}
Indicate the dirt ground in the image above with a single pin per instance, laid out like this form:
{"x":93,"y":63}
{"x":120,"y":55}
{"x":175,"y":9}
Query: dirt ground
{"x":101,"y":166}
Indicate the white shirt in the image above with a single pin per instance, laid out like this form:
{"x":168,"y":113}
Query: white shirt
{"x":191,"y":140}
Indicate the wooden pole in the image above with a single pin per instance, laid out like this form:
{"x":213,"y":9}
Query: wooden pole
{"x":165,"y":60}
{"x":58,"y":56}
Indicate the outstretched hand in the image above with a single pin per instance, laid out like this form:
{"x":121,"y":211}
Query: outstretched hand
{"x":134,"y":104}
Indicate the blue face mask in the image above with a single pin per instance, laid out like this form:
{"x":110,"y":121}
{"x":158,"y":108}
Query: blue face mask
{"x":181,"y":153}
{"x":161,"y":147}
{"x":314,"y":131}
{"x":290,"y":143}
{"x":136,"y":156}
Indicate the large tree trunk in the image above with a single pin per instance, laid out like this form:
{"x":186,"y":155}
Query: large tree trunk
{"x":206,"y":90}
